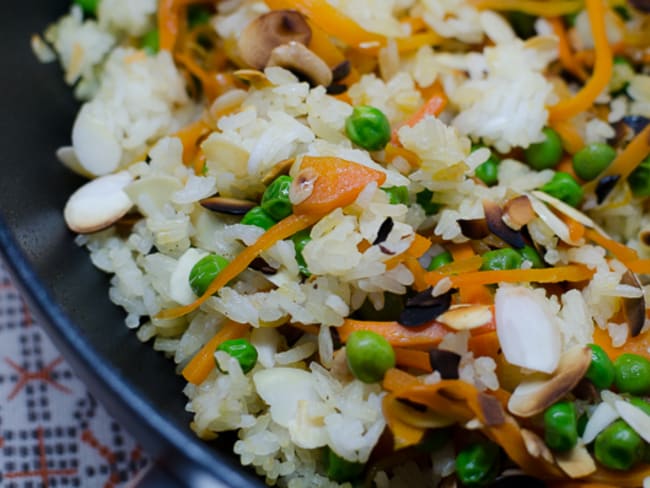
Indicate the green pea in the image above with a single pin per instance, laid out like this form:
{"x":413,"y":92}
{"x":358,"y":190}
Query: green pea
{"x":529,"y":253}
{"x":478,"y":464}
{"x":487,"y":172}
{"x":640,"y":403}
{"x":601,"y":369}
{"x":593,"y":159}
{"x":300,"y":240}
{"x":242,"y":350}
{"x":258,"y":216}
{"x":151,"y":42}
{"x":397,"y":195}
{"x":205,"y":271}
{"x":564,"y":187}
{"x":393,"y":306}
{"x":632,"y":374}
{"x":275,"y":200}
{"x":545,"y":154}
{"x":89,"y":7}
{"x":340,"y":469}
{"x":560,"y":426}
{"x":368,"y":128}
{"x":501,"y":259}
{"x":618,"y":446}
{"x":639,"y":179}
{"x":440,"y":260}
{"x":197,"y":15}
{"x":369,"y":355}
{"x":423,"y":199}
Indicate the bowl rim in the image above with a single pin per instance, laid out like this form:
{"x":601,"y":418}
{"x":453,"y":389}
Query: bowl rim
{"x":187,"y":458}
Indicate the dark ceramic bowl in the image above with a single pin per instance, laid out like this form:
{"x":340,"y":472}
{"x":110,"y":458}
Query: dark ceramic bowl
{"x":137,"y":385}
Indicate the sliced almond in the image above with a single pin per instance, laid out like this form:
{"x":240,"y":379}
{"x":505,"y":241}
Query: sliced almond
{"x":255,"y":78}
{"x":98,"y":204}
{"x":604,"y":415}
{"x":281,"y":168}
{"x":635,"y":417}
{"x":533,"y":397}
{"x":494,"y":219}
{"x":552,"y":221}
{"x":577,"y":462}
{"x":466,"y":317}
{"x":566,"y":209}
{"x":536,"y":446}
{"x":528,"y":331}
{"x":518,"y":212}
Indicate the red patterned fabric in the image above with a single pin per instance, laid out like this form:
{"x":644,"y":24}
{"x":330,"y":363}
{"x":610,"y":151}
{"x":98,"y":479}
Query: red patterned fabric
{"x":52,"y":432}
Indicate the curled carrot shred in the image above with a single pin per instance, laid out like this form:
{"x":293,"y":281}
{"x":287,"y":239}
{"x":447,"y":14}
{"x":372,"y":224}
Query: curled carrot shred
{"x":169,"y":17}
{"x":190,"y":136}
{"x":283,"y":229}
{"x":620,"y":251}
{"x":198,"y":369}
{"x":409,"y":358}
{"x":599,"y":80}
{"x":567,"y":59}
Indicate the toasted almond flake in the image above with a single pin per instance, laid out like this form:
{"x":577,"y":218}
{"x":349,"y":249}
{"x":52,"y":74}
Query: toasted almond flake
{"x":566,"y":209}
{"x":602,"y":416}
{"x":518,"y":212}
{"x":577,"y":462}
{"x":535,"y":446}
{"x":633,"y":306}
{"x":281,"y":168}
{"x":256,"y":78}
{"x":302,"y":186}
{"x":466,"y":317}
{"x":635,"y":417}
{"x":527,"y":329}
{"x":553,"y":221}
{"x":98,"y":204}
{"x":534,"y":396}
{"x":442,"y":287}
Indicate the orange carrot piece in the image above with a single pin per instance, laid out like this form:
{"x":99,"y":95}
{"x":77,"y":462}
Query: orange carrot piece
{"x":618,"y":250}
{"x":576,"y":229}
{"x":282,"y":230}
{"x":419,"y":246}
{"x":417,"y":23}
{"x":416,"y":41}
{"x":169,"y":19}
{"x":189,"y":136}
{"x":396,"y":380}
{"x":640,"y":266}
{"x":419,"y":273}
{"x":567,"y":59}
{"x":572,"y":141}
{"x":332,"y":21}
{"x":410,"y":358}
{"x":635,"y":345}
{"x":338,"y":184}
{"x":466,"y":265}
{"x":470,"y":292}
{"x":198,"y":369}
{"x":484,"y":344}
{"x":547,"y":275}
{"x":585,"y":98}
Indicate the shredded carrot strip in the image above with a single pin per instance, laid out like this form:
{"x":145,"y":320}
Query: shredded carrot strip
{"x":198,"y":369}
{"x":466,"y":265}
{"x":574,"y":272}
{"x":332,"y":21}
{"x":620,"y":251}
{"x":566,"y":109}
{"x":409,"y":358}
{"x":404,"y":434}
{"x":422,"y":337}
{"x":537,"y":8}
{"x":572,"y":141}
{"x":419,"y":273}
{"x":283,"y":229}
{"x":418,"y":247}
{"x":640,"y":266}
{"x":393,"y":151}
{"x":416,"y":41}
{"x":470,"y":292}
{"x":433,"y":106}
{"x":199,"y":164}
{"x":189,"y":136}
{"x":396,"y":380}
{"x":576,"y":229}
{"x":211,"y":86}
{"x":567,"y":59}
{"x":633,"y":154}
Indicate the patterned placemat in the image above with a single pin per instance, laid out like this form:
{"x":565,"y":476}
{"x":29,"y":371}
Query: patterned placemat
{"x":52,"y":431}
